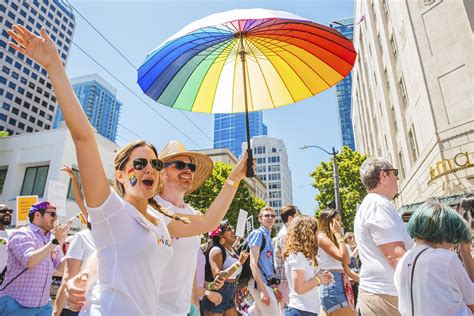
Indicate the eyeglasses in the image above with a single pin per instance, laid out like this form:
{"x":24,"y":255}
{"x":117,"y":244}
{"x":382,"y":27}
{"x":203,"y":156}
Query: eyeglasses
{"x":395,"y":171}
{"x":6,"y":210}
{"x":181,"y":165}
{"x":52,"y":214}
{"x":140,"y":163}
{"x":269,"y":215}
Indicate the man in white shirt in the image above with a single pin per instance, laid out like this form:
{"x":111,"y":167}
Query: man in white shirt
{"x":183,"y":173}
{"x":381,"y":237}
{"x":5,"y":220}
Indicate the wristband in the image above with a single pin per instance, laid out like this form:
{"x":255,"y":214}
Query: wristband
{"x":341,"y":240}
{"x":209,"y":286}
{"x":275,"y":290}
{"x":232,"y":183}
{"x":318,"y":279}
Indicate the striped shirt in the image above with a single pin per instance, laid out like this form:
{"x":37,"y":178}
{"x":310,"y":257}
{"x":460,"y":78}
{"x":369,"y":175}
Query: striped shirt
{"x":31,"y":288}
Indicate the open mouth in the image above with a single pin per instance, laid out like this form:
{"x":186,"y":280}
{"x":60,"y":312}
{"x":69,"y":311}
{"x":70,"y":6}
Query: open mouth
{"x":148,"y":183}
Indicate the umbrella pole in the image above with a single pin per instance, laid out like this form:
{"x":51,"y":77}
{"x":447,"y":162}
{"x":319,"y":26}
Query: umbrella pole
{"x":250,"y":172}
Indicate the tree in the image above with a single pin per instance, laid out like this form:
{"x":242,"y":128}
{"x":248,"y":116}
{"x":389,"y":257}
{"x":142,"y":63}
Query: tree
{"x":202,"y":198}
{"x":351,"y":189}
{"x":4,"y":134}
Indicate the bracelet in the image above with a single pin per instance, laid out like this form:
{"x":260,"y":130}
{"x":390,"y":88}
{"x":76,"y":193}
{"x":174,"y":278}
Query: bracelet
{"x":209,"y":286}
{"x":275,"y":290}
{"x":318,"y":279}
{"x":233,"y":183}
{"x":341,"y":240}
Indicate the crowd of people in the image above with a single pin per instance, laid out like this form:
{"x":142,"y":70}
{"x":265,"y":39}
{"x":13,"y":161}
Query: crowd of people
{"x":141,"y":253}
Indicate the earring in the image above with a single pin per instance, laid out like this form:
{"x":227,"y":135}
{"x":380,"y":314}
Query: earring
{"x":221,"y":241}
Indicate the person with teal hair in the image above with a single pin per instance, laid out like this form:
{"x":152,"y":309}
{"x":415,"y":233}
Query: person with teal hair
{"x":430,"y":278}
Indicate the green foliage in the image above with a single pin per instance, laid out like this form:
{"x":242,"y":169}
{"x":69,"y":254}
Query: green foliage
{"x":203,"y":197}
{"x":351,"y":188}
{"x":4,"y":134}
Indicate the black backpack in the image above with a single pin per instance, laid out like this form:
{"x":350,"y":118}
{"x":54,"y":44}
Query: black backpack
{"x":246,"y":274}
{"x":207,"y":270}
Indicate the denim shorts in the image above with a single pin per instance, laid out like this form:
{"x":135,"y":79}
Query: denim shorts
{"x":227,"y":291}
{"x":8,"y":306}
{"x":290,"y":311}
{"x":333,"y":296}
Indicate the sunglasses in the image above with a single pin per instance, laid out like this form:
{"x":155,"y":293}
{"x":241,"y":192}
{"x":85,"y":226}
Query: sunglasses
{"x":181,"y":165}
{"x":8,"y":210}
{"x":269,"y":215}
{"x":395,"y":171}
{"x":140,"y":163}
{"x":52,"y":214}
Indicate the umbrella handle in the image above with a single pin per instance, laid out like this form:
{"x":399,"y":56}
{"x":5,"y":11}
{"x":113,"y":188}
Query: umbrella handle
{"x":250,"y":173}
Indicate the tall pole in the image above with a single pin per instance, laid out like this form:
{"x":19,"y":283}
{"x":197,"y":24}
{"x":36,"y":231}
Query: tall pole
{"x":242,"y":53}
{"x":337,"y":196}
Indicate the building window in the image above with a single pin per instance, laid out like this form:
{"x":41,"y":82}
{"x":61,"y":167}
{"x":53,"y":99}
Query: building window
{"x":274,"y":159}
{"x":413,"y":144}
{"x":261,"y":169}
{"x":402,"y":166}
{"x":35,"y":180}
{"x":259,"y":150}
{"x":3,"y":175}
{"x":403,"y":91}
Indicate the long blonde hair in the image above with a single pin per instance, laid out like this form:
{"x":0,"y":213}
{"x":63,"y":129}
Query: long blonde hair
{"x":121,"y":158}
{"x":302,"y":237}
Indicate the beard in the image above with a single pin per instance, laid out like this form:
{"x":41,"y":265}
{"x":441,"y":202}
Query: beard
{"x":5,"y":221}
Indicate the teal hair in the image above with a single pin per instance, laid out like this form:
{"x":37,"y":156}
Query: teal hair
{"x":438,"y":223}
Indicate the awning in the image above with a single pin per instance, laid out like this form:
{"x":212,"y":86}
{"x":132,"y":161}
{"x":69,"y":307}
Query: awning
{"x":451,"y":200}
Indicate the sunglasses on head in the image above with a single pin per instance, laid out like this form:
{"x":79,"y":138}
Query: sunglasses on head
{"x":181,"y":165}
{"x":140,"y":163}
{"x":395,"y":171}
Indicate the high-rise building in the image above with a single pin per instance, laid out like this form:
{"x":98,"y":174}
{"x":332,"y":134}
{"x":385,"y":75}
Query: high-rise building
{"x":412,"y":97}
{"x":98,"y":100}
{"x":230,"y":130}
{"x":272,"y":168}
{"x":27,"y":100}
{"x":344,"y":89}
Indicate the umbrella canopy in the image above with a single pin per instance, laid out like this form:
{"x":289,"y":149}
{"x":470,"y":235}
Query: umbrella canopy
{"x":274,"y":57}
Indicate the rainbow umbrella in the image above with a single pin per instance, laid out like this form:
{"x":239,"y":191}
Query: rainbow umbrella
{"x":245,"y":60}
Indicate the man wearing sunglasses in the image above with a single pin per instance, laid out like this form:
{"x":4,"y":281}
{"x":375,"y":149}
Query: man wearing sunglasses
{"x":381,"y":237}
{"x":33,"y":255}
{"x":5,"y":220}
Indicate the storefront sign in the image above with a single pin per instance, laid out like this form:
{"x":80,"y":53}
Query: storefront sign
{"x":446,"y":166}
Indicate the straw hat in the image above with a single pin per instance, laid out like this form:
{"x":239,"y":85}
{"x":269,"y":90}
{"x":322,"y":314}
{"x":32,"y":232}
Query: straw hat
{"x":203,"y":163}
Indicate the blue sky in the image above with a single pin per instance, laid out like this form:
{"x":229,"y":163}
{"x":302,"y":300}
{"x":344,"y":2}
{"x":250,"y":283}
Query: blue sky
{"x":137,"y":27}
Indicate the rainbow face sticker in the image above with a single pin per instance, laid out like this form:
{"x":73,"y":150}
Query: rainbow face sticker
{"x":132,"y":177}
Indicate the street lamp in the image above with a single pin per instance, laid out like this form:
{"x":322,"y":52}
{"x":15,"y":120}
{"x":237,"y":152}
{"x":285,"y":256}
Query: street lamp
{"x":336,"y":174}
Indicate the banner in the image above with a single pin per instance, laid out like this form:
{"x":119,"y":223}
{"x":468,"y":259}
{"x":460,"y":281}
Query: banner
{"x":241,"y":220}
{"x":57,"y":193}
{"x":23,"y":205}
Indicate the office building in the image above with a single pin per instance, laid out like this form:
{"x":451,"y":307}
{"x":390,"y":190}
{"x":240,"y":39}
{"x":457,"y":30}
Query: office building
{"x":98,"y":100}
{"x":272,"y":168}
{"x":27,"y":100}
{"x":412,"y":95}
{"x":230,"y":130}
{"x":344,"y":89}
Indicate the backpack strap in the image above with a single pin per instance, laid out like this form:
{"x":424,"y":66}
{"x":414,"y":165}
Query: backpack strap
{"x":411,"y":281}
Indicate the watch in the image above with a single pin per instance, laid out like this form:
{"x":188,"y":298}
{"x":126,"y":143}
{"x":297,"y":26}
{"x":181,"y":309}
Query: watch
{"x":55,"y":241}
{"x":207,"y":293}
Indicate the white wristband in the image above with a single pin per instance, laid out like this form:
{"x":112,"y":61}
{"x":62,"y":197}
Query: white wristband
{"x":233,"y":183}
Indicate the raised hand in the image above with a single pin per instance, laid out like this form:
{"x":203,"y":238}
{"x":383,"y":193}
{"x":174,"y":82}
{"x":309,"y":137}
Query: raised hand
{"x":68,"y":170}
{"x":60,"y":232}
{"x":335,"y":227}
{"x":240,"y":169}
{"x":39,"y":48}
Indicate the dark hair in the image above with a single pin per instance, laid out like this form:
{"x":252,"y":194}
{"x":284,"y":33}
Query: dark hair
{"x":31,"y":216}
{"x":324,"y":223}
{"x":122,"y":158}
{"x":287,"y":211}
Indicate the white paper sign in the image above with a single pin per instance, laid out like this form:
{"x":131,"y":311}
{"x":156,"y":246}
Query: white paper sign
{"x":241,"y":220}
{"x":249,"y":224}
{"x":57,"y":193}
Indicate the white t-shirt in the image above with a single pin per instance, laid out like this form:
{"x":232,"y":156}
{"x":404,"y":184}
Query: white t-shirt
{"x":81,"y":248}
{"x":177,"y":282}
{"x":376,"y":223}
{"x":308,"y":301}
{"x":230,"y":259}
{"x":132,"y":256}
{"x":4,"y":235}
{"x":441,"y":286}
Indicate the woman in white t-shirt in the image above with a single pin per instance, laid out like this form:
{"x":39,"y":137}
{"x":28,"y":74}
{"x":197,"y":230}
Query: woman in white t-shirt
{"x":430,"y":279}
{"x":129,"y":227}
{"x":299,"y":255}
{"x":337,"y":298}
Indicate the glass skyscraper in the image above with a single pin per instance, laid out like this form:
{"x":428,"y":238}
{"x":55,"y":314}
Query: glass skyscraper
{"x":344,"y":88}
{"x":97,"y":98}
{"x":229,"y":130}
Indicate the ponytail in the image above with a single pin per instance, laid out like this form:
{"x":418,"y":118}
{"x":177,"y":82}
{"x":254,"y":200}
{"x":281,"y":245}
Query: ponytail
{"x":163,"y":211}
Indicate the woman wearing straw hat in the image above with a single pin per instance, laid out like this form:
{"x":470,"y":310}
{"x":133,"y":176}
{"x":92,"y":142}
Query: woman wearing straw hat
{"x":133,"y":241}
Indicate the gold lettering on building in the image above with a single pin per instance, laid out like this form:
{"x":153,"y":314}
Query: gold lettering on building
{"x":447,"y":166}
